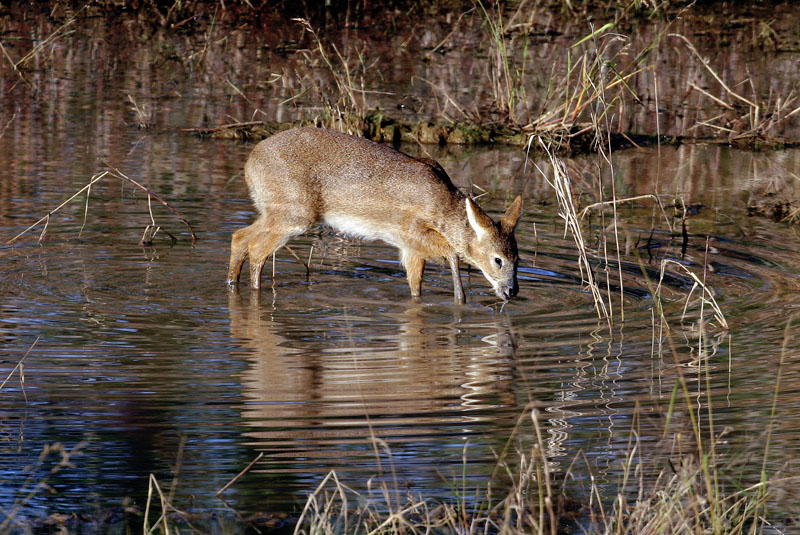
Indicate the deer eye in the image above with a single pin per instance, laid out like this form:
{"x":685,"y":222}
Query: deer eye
{"x":498,"y":261}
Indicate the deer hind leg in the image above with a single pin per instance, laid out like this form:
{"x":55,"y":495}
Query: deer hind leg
{"x":255,"y":242}
{"x":270,"y":234}
{"x":259,"y":249}
{"x":239,"y":249}
{"x":414,"y":265}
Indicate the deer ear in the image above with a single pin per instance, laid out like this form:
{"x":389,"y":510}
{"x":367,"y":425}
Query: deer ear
{"x":509,"y":221}
{"x":478,"y":220}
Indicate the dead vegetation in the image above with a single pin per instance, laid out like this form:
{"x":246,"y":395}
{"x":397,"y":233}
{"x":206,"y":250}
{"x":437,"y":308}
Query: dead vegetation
{"x":531,"y":68}
{"x":151,"y":229}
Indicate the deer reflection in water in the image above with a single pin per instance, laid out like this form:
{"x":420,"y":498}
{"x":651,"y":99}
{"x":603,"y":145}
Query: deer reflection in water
{"x":322,"y":387}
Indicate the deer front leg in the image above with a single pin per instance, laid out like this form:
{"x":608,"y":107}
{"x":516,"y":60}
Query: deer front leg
{"x":458,"y":290}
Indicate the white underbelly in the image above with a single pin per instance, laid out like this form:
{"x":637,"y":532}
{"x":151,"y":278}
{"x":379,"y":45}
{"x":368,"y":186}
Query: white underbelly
{"x":361,"y":228}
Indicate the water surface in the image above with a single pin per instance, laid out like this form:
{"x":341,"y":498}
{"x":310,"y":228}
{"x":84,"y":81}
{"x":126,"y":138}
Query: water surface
{"x":148,"y":365}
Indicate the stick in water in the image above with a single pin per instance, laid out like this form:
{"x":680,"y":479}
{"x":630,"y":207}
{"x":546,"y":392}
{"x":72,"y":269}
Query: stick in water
{"x":240,"y":474}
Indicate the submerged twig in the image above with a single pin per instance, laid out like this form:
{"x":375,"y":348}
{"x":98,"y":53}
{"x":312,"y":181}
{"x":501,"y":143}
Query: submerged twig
{"x":119,"y":174}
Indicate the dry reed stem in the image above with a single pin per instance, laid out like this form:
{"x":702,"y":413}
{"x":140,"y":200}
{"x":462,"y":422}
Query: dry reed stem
{"x":548,"y":496}
{"x":166,"y":507}
{"x":311,"y":502}
{"x":455,"y":28}
{"x":709,"y":296}
{"x":94,"y":179}
{"x":792,"y":216}
{"x":562,"y":186}
{"x":630,"y":199}
{"x":240,"y":474}
{"x":8,"y":57}
{"x":344,"y":112}
{"x":52,"y":37}
{"x":8,"y":123}
{"x":21,"y":369}
{"x":712,"y":97}
{"x":573,"y":109}
{"x":147,"y":531}
{"x":143,"y":114}
{"x":713,"y":73}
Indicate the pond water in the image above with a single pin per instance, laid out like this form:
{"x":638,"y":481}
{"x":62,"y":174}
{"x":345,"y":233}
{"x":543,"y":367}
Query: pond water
{"x":147,"y":364}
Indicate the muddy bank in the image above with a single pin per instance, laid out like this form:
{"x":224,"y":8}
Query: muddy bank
{"x":378,"y":127}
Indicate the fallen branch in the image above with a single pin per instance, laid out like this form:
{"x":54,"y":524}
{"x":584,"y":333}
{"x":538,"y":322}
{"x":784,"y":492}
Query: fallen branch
{"x":119,"y":174}
{"x":87,"y":188}
{"x":46,"y":218}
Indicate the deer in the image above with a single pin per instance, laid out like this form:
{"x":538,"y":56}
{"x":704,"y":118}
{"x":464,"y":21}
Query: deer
{"x":303,"y":176}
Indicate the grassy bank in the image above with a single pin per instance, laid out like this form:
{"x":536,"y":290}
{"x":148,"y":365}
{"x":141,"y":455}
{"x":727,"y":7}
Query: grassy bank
{"x":585,"y":97}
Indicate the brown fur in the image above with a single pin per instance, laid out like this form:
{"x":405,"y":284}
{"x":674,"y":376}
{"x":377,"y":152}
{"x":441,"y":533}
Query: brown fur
{"x":309,"y":175}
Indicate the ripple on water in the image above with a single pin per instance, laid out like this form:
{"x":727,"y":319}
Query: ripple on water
{"x":143,"y":349}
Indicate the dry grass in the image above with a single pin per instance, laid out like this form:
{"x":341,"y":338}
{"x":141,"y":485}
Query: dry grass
{"x":684,"y":491}
{"x":683,"y":485}
{"x":744,"y":119}
{"x":567,"y":210}
{"x":343,"y":104}
{"x":51,"y":460}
